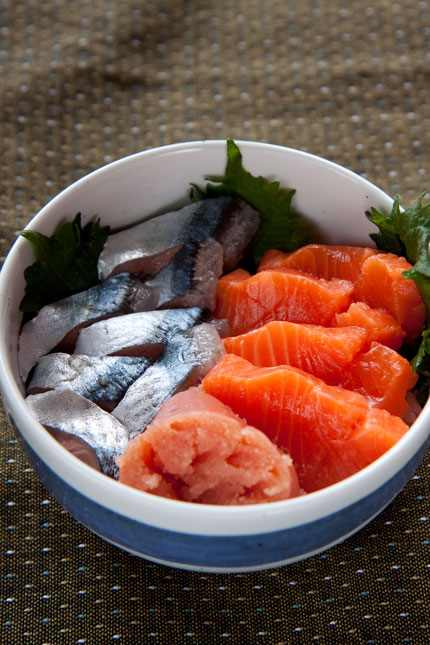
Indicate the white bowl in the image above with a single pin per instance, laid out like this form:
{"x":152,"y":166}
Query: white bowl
{"x":195,"y":536}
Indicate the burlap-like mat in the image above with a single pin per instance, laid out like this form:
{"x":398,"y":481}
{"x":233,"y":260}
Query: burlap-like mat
{"x":87,"y":82}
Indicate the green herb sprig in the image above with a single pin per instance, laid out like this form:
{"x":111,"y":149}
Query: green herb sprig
{"x":407,"y":233}
{"x":66,"y":263}
{"x":280,"y":228}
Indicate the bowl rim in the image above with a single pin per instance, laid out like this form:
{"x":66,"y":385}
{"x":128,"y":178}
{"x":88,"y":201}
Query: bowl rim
{"x":200,"y":518}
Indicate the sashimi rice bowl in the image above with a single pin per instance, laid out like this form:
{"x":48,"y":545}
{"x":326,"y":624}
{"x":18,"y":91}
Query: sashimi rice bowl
{"x":215,"y":353}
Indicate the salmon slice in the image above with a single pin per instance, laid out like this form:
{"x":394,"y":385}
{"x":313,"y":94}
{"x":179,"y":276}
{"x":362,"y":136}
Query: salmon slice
{"x":382,"y":284}
{"x":330,"y":432}
{"x":340,"y":356}
{"x":324,"y":352}
{"x":249,"y":301}
{"x":197,"y":450}
{"x":378,"y":278}
{"x":381,"y":326}
{"x":321,"y":260}
{"x":383,"y":376}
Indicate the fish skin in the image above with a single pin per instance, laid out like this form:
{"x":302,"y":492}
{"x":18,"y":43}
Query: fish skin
{"x":134,"y":248}
{"x":191,"y":277}
{"x":138,"y":334}
{"x":214,"y":244}
{"x":73,"y":414}
{"x":101,"y":379}
{"x":150,"y":245}
{"x":55,"y":326}
{"x":236,"y":232}
{"x":188,"y":357}
{"x":157,"y":239}
{"x":229,"y":220}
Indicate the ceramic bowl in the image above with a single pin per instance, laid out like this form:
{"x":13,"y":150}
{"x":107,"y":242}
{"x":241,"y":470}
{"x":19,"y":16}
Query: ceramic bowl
{"x":180,"y":534}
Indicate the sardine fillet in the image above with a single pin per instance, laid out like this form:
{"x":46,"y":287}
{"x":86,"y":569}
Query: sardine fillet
{"x":56,"y":325}
{"x":187,"y":358}
{"x":101,"y":379}
{"x":140,"y":334}
{"x":73,"y":414}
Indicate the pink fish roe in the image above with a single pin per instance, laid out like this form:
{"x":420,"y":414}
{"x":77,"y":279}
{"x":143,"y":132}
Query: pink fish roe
{"x":197,"y":450}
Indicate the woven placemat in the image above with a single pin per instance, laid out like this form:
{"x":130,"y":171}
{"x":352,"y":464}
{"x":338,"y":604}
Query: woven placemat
{"x":87,"y":82}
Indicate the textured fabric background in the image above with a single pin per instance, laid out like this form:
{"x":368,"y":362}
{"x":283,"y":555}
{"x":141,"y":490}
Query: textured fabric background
{"x":84,"y":83}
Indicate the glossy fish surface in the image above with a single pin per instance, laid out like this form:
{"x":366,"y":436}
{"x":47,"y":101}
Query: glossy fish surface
{"x":101,"y":379}
{"x":191,"y":277}
{"x":236,"y":231}
{"x":139,"y":334}
{"x":188,"y":357}
{"x":72,"y":414}
{"x":215,"y":243}
{"x":148,"y":246}
{"x":145,"y":247}
{"x":56,"y":325}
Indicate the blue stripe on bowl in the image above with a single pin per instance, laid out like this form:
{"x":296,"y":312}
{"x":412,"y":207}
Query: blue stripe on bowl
{"x":221,"y":552}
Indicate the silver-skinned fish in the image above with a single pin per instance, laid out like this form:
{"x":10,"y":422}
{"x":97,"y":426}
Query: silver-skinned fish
{"x":236,"y":231}
{"x":213,"y":244}
{"x":150,"y":245}
{"x":138,"y":334}
{"x":101,"y":379}
{"x":145,"y":247}
{"x":188,"y":357}
{"x":191,"y":277}
{"x":56,"y":325}
{"x":73,"y":415}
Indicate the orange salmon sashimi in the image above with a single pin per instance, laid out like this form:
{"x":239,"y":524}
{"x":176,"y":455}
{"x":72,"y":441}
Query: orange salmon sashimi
{"x":322,"y":351}
{"x":381,"y":326}
{"x":377,"y":276}
{"x":196,"y":449}
{"x":331,"y":433}
{"x":382,"y":284}
{"x":321,"y":260}
{"x":383,"y":376}
{"x":339,"y":356}
{"x":249,"y":301}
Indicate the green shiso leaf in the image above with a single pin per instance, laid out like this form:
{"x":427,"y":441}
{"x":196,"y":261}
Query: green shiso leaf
{"x":388,"y":238}
{"x":407,"y":232}
{"x":280,"y":228}
{"x":65,"y":263}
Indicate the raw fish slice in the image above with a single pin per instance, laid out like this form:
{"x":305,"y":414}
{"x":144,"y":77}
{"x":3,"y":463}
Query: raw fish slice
{"x":188,"y":356}
{"x":150,"y":245}
{"x":383,"y":376}
{"x":378,"y":278}
{"x":78,"y":447}
{"x":221,"y":325}
{"x":341,"y":358}
{"x":191,"y":277}
{"x":382,"y":284}
{"x":248,"y":302}
{"x":322,"y":351}
{"x":214,"y":245}
{"x":235,"y":232}
{"x":141,"y":334}
{"x":321,"y":260}
{"x":70,"y":413}
{"x":56,"y":325}
{"x":103,"y":380}
{"x":197,"y":450}
{"x":146,"y":247}
{"x":381,"y":326}
{"x":329,"y":432}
